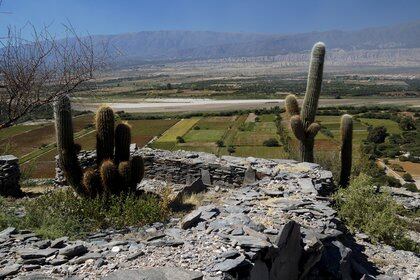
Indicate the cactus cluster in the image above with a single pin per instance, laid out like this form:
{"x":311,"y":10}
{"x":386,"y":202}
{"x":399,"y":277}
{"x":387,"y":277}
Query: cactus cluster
{"x":115,"y":172}
{"x":302,"y":121}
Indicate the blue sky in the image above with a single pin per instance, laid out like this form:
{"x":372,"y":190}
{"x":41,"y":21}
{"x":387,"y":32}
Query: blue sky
{"x":263,"y":16}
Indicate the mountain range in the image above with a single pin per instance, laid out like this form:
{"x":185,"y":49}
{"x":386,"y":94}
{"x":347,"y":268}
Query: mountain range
{"x":193,"y":45}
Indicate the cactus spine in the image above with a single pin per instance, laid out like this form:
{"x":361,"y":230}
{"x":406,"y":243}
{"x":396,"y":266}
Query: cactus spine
{"x":67,"y":150}
{"x":303,"y":126}
{"x":346,"y":149}
{"x":104,"y":134}
{"x":106,"y":178}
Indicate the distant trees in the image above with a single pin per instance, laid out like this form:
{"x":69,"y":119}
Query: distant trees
{"x":35,"y":71}
{"x":272,"y":142}
{"x":377,"y":134}
{"x":407,"y":123}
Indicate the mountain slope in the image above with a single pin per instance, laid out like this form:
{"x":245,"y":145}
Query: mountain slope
{"x":179,"y":45}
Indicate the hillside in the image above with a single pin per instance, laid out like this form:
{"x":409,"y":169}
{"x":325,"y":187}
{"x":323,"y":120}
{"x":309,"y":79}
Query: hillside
{"x":182,"y":45}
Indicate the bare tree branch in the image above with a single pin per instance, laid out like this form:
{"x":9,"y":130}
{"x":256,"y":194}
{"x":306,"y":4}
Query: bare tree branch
{"x":34,"y":72}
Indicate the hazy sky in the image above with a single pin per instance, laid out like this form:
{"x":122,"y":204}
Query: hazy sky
{"x":265,"y":16}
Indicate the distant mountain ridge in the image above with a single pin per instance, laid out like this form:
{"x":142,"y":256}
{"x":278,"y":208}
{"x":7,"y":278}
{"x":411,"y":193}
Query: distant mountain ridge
{"x":182,"y":45}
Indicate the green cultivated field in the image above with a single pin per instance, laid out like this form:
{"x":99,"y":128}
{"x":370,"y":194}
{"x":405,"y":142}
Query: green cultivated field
{"x":247,"y":138}
{"x":391,"y":126}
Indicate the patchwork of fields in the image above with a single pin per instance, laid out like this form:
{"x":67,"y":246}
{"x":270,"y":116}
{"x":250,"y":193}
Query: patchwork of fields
{"x":241,"y":135}
{"x":216,"y":134}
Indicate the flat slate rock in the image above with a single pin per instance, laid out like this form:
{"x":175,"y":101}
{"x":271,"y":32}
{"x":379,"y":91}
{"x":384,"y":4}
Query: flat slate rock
{"x":191,"y":219}
{"x":160,"y":273}
{"x":35,"y":254}
{"x":9,"y":270}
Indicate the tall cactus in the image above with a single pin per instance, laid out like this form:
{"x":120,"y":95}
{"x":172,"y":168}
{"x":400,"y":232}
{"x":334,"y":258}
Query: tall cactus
{"x":114,"y":174}
{"x":104,"y":134}
{"x":346,"y":149}
{"x":303,"y":126}
{"x":67,"y":150}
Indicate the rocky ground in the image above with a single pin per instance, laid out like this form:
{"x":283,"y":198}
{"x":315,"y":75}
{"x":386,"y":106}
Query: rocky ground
{"x":278,"y":227}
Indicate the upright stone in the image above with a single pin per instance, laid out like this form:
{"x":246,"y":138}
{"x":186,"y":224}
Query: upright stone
{"x":9,"y":176}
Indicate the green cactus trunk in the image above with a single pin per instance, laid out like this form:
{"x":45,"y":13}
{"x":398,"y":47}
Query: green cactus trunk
{"x":104,"y":134}
{"x":67,"y":150}
{"x":346,"y":149}
{"x":310,"y":102}
{"x":122,"y":143}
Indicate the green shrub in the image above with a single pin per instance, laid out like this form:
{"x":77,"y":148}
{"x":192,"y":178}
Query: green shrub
{"x":411,"y":187}
{"x":62,"y":213}
{"x":407,"y":177}
{"x":393,"y":182}
{"x":231,"y":149}
{"x":220,"y":143}
{"x":362,"y":208}
{"x":272,"y":142}
{"x":179,"y":139}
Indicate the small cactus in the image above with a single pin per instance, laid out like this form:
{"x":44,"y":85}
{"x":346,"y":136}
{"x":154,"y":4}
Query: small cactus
{"x":303,"y":126}
{"x":115,"y":174}
{"x":92,"y":183}
{"x":346,"y":149}
{"x":109,"y":177}
{"x":124,"y":169}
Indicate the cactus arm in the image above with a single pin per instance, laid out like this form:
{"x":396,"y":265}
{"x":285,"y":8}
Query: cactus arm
{"x":122,"y":143}
{"x":346,"y":149}
{"x":104,"y":134}
{"x":67,"y":150}
{"x":137,"y":172}
{"x":292,"y":106}
{"x":297,"y":127}
{"x":312,"y":130}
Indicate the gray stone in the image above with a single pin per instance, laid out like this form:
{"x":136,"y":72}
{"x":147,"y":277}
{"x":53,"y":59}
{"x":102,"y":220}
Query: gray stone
{"x":9,"y":159}
{"x":250,"y":242}
{"x":259,"y":271}
{"x":229,"y":264}
{"x":286,"y":262}
{"x":73,"y":251}
{"x":159,"y":273}
{"x":9,"y":270}
{"x":249,"y":177}
{"x":191,"y":219}
{"x":84,"y":258}
{"x":307,"y":186}
{"x":35,"y":254}
{"x":59,"y":242}
{"x":135,"y":255}
{"x":8,"y":231}
{"x":205,"y":177}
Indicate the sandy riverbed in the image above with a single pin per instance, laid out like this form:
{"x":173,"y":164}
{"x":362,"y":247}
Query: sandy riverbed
{"x":155,"y":105}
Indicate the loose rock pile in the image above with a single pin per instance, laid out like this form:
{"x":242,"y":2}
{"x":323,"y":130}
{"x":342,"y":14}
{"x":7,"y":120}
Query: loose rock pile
{"x":9,"y":176}
{"x":275,"y":224}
